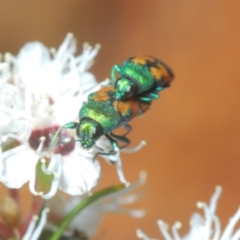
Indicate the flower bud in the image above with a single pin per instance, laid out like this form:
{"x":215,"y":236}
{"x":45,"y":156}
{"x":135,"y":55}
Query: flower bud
{"x":9,"y":211}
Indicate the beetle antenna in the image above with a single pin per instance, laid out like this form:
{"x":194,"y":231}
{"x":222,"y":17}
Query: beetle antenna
{"x":55,"y":137}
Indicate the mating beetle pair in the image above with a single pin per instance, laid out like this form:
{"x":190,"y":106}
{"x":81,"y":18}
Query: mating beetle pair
{"x":130,"y":95}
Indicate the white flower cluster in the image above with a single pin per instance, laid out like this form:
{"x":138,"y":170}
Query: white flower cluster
{"x":40,"y":90}
{"x":202,"y":228}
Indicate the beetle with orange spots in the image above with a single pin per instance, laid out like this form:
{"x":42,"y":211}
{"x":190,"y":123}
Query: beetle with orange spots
{"x":101,"y":114}
{"x":142,"y":76}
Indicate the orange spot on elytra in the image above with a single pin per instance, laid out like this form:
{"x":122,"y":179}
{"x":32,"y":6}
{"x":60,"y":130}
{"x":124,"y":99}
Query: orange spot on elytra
{"x":137,"y":107}
{"x":122,"y":106}
{"x":142,"y":60}
{"x":102,"y":94}
{"x":144,"y":106}
{"x":159,"y":72}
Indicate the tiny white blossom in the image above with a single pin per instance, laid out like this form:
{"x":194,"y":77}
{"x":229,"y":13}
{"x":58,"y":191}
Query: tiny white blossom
{"x":205,"y":227}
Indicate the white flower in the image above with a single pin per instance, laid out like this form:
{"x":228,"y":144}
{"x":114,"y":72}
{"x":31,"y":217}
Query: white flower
{"x":89,"y":218}
{"x":41,"y":90}
{"x":205,"y":227}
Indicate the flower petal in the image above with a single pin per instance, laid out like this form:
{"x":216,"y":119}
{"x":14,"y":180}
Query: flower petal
{"x":18,"y":166}
{"x":80,"y":174}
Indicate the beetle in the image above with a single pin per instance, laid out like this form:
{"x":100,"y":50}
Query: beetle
{"x":101,"y":114}
{"x":144,"y":76}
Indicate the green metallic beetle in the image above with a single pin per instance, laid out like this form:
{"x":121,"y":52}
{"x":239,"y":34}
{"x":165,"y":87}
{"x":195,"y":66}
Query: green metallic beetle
{"x":103,"y":113}
{"x":143,"y":76}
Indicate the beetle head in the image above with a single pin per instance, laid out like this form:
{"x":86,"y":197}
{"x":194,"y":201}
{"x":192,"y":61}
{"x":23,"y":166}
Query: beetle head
{"x":89,"y":131}
{"x":125,"y":88}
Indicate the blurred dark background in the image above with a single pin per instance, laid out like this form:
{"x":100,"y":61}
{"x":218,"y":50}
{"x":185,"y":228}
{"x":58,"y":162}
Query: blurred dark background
{"x":193,"y":131}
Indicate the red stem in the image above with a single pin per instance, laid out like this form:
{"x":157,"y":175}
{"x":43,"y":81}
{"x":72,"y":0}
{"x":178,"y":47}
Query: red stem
{"x":5,"y":231}
{"x":14,"y":194}
{"x":34,"y":210}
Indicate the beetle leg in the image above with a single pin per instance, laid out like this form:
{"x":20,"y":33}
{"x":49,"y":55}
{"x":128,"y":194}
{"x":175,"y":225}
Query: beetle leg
{"x":146,"y":99}
{"x":154,"y":94}
{"x":128,"y":128}
{"x":114,"y":145}
{"x":120,"y":138}
{"x":113,"y":138}
{"x":149,"y":97}
{"x":105,"y":154}
{"x":159,"y":88}
{"x":113,"y":142}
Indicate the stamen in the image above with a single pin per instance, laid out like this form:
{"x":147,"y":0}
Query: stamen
{"x":53,"y":51}
{"x":120,"y":172}
{"x":86,"y":46}
{"x":236,"y":235}
{"x":85,"y":60}
{"x":208,"y":215}
{"x":217,"y":227}
{"x":131,"y":198}
{"x":32,"y":184}
{"x":142,"y":179}
{"x":31,"y":228}
{"x":34,"y":232}
{"x":118,"y":196}
{"x":142,"y":235}
{"x":163,"y":228}
{"x":232,"y":222}
{"x":41,"y":224}
{"x":40,"y":146}
{"x":135,"y":149}
{"x":214,"y":199}
{"x":64,"y":46}
{"x":72,"y":63}
{"x":175,"y":228}
{"x":53,"y":164}
{"x":132,"y":213}
{"x":201,"y":205}
{"x":8,"y":57}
